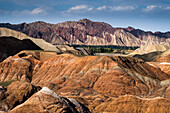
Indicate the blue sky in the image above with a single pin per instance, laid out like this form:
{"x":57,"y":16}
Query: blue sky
{"x":149,"y":15}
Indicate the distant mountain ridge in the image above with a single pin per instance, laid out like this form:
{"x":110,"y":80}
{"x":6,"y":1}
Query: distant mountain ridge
{"x":87,"y":32}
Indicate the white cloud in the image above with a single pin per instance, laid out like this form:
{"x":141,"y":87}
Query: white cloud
{"x":101,"y":8}
{"x":79,"y":7}
{"x":122,"y":8}
{"x":90,"y":9}
{"x":151,"y":7}
{"x":167,"y":8}
{"x":37,"y":11}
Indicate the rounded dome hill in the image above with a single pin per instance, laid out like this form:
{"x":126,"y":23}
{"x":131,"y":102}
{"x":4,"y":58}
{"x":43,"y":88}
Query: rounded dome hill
{"x":151,"y":48}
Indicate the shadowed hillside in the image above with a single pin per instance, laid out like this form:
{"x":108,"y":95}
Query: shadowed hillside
{"x":10,"y":46}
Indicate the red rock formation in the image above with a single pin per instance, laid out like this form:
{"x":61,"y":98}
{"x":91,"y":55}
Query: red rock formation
{"x":85,"y":75}
{"x":91,"y":33}
{"x":18,"y":92}
{"x":131,"y":104}
{"x":98,"y":82}
{"x":46,"y":101}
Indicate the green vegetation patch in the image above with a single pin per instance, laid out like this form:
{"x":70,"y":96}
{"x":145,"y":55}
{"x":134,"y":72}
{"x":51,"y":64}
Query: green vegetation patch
{"x":106,"y":48}
{"x":6,"y":83}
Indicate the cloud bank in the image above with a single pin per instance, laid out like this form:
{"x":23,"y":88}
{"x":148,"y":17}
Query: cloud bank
{"x":101,"y":8}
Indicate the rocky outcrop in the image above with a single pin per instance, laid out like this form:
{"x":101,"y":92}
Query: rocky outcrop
{"x":132,"y":104}
{"x":19,"y":92}
{"x":46,"y":101}
{"x":75,"y":51}
{"x":24,"y":97}
{"x":125,"y":103}
{"x":89,"y":33}
{"x":73,"y":75}
{"x":85,"y":51}
{"x":2,"y":92}
{"x":15,"y":68}
{"x":15,"y":94}
{"x":98,"y":82}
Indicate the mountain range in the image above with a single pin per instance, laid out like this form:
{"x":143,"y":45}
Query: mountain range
{"x":41,"y":77}
{"x":87,"y":32}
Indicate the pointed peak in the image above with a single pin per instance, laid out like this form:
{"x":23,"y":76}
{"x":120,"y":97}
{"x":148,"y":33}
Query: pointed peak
{"x":129,"y":28}
{"x":85,"y":20}
{"x":24,"y":23}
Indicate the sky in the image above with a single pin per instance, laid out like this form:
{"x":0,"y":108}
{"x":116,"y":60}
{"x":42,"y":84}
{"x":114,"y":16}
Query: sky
{"x":148,"y":15}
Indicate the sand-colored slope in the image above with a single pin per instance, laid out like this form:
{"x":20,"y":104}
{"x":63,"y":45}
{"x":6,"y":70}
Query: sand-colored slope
{"x":76,"y":51}
{"x":163,"y":62}
{"x":167,"y":52}
{"x":164,"y":57}
{"x":150,"y":52}
{"x":150,"y":48}
{"x":65,"y":47}
{"x":39,"y":42}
